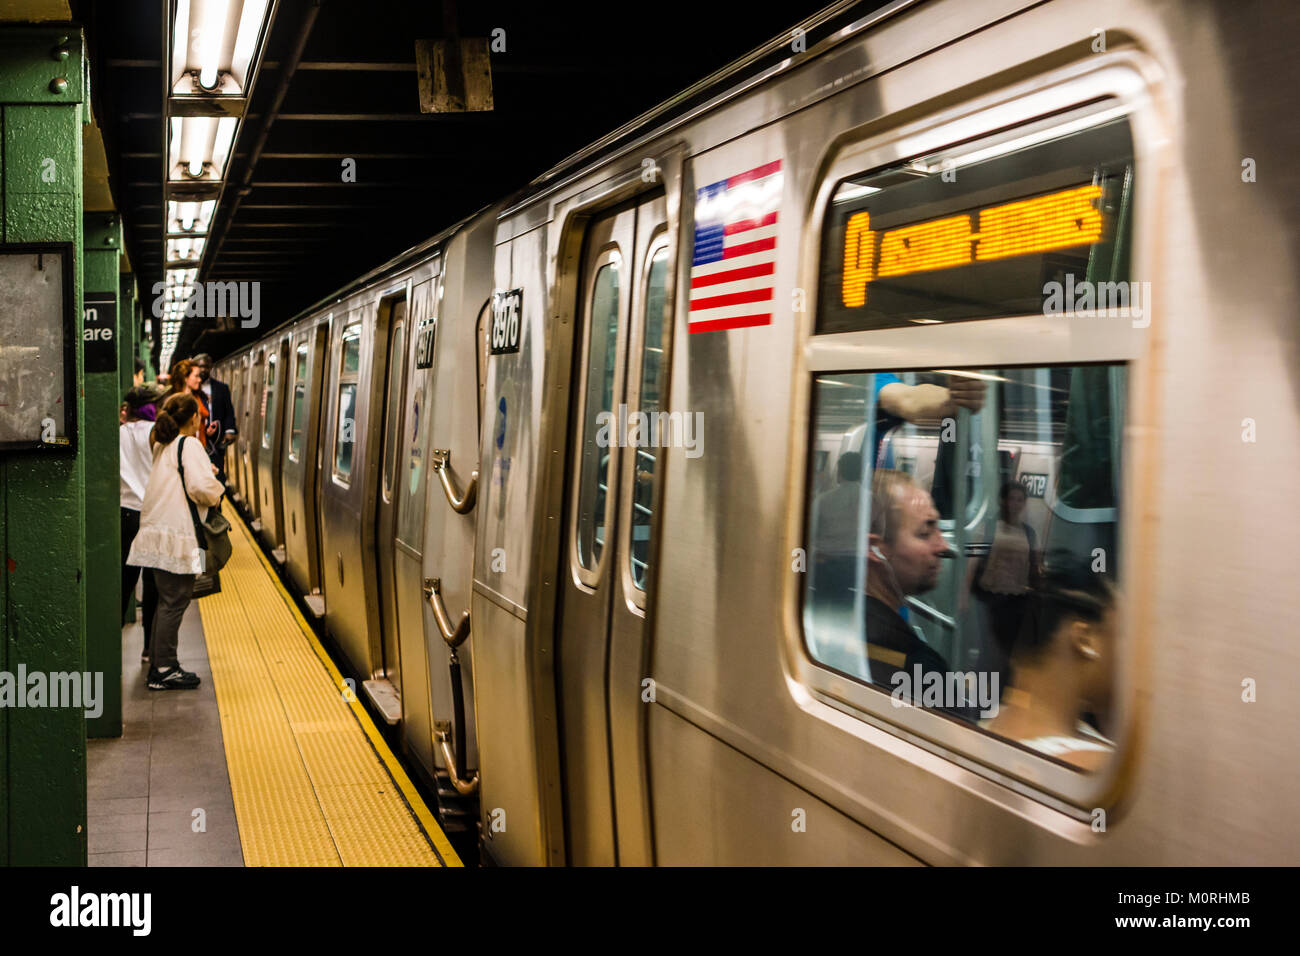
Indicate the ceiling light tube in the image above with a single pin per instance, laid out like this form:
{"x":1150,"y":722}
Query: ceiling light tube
{"x":251,"y":20}
{"x":197,"y":134}
{"x":174,"y":146}
{"x":223,"y":140}
{"x":209,"y":34}
{"x":180,"y":40}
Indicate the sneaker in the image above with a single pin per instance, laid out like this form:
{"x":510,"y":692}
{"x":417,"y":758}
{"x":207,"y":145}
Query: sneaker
{"x":144,"y":656}
{"x":172,"y":679}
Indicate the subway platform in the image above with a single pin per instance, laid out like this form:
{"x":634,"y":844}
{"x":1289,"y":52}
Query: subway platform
{"x":270,"y":762}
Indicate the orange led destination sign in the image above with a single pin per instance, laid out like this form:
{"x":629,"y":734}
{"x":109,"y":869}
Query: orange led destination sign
{"x":1055,"y":221}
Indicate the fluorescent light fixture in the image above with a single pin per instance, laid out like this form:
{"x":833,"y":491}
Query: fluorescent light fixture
{"x":184,"y":249}
{"x":851,"y":191}
{"x":174,"y":142}
{"x":222,"y":140}
{"x":190,"y":216}
{"x":251,"y":20}
{"x":939,"y":163}
{"x":214,"y":46}
{"x":180,"y":39}
{"x":195,"y":155}
{"x":209,"y":32}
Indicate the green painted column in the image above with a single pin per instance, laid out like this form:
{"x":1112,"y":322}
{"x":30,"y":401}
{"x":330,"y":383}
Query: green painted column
{"x":103,"y":396}
{"x":43,"y":614}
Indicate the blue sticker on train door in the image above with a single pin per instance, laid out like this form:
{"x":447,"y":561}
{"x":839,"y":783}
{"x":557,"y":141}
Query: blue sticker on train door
{"x":416,"y":451}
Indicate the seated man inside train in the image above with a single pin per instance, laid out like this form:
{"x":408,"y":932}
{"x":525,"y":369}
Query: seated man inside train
{"x":905,"y":547}
{"x":1063,"y":665}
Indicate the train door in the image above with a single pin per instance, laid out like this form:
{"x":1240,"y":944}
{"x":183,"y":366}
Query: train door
{"x":322,"y":442}
{"x":270,"y":447}
{"x":386,"y":510}
{"x":601,"y":639}
{"x":252,"y":436}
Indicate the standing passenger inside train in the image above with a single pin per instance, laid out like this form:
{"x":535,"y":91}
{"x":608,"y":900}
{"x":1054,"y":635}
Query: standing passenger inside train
{"x":1063,"y":667}
{"x":135,"y":458}
{"x":1003,"y":579}
{"x":167,"y":541}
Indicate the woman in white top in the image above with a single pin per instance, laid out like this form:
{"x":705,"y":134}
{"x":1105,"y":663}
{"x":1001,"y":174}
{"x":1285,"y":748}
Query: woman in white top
{"x":167,"y":541}
{"x":135,"y":459}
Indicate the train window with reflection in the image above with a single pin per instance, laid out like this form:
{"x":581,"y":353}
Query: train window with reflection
{"x":651,"y":399}
{"x":268,"y":403}
{"x":345,"y":431}
{"x":299,"y":417}
{"x":963,"y":532}
{"x":593,"y":489}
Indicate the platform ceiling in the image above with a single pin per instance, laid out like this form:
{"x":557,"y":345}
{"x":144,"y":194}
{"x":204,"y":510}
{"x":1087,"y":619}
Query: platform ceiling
{"x":569,"y":75}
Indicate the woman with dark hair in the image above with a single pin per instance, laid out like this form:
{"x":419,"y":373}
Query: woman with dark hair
{"x":187,"y":379}
{"x":135,"y":459}
{"x":167,"y":542}
{"x":1005,"y":576}
{"x":1064,"y":660}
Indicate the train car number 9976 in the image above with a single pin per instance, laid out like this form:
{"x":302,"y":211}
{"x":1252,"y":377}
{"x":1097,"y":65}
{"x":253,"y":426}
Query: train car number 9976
{"x":506,"y":308}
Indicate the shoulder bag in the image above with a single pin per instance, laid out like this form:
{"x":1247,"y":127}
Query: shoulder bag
{"x":213,"y":535}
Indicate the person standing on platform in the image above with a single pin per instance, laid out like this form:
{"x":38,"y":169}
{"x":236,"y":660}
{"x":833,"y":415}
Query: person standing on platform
{"x":222,"y":428}
{"x":187,"y":379}
{"x":136,"y":461}
{"x":167,"y":541}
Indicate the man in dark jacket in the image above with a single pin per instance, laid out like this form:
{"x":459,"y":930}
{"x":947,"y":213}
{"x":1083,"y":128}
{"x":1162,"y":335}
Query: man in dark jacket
{"x":905,"y":551}
{"x":221,"y":428}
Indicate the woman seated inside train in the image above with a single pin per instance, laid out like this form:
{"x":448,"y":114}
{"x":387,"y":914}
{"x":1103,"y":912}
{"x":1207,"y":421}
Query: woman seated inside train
{"x":1063,"y":663}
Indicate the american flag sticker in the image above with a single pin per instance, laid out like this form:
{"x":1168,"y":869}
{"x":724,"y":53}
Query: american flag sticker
{"x":734,"y":267}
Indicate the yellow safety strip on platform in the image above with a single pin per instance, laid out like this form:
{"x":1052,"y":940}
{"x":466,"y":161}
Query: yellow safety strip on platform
{"x":314,"y":782}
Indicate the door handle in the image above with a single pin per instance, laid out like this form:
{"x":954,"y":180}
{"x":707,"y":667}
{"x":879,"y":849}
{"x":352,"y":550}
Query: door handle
{"x":454,"y":636}
{"x":460,"y":503}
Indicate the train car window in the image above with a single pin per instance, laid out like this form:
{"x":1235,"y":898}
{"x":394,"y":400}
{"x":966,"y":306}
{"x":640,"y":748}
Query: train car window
{"x":1006,"y":622}
{"x":393,"y":413}
{"x":345,"y":433}
{"x":593,"y":492}
{"x":268,"y":403}
{"x":980,"y":230}
{"x":299,"y":417}
{"x":651,"y":399}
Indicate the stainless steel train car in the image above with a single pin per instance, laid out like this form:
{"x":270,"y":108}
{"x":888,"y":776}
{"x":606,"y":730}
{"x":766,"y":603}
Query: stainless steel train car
{"x":596,"y":444}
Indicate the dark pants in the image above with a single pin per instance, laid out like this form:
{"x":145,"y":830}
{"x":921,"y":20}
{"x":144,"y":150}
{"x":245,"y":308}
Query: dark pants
{"x":131,"y":574}
{"x":174,"y":591}
{"x":1006,"y":617}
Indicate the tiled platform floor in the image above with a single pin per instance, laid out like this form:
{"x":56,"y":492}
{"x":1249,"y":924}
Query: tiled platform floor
{"x":144,"y":788}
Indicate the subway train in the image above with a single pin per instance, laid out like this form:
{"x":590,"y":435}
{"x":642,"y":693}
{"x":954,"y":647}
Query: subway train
{"x":584,"y":487}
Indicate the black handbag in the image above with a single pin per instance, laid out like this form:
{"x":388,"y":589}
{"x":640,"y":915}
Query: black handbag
{"x":213,"y":536}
